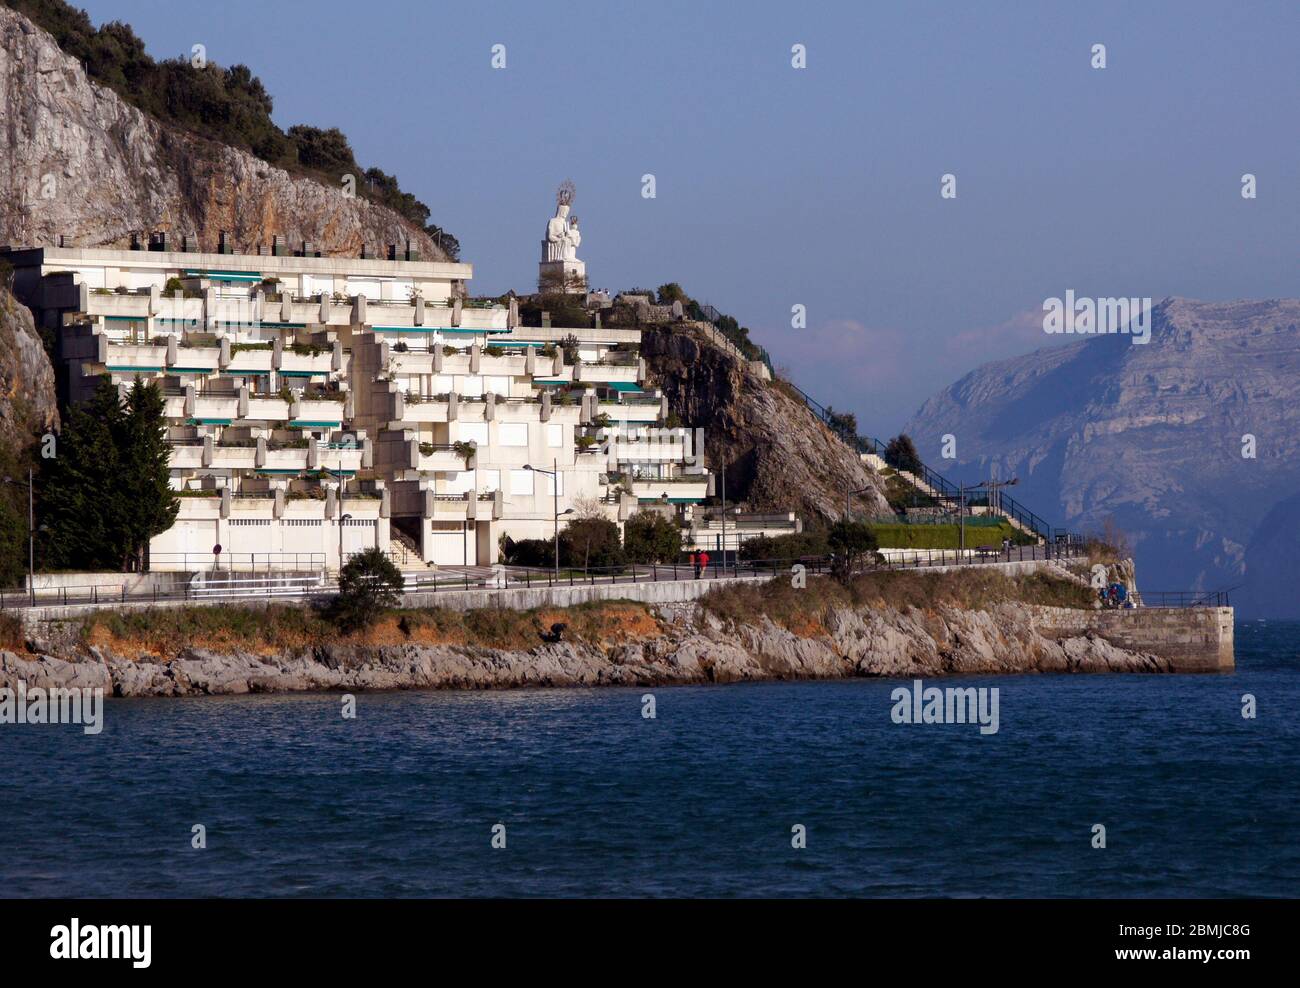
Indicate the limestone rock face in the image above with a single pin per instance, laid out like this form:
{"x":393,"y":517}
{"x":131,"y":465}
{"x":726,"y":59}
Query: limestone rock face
{"x":1153,"y":436}
{"x":779,"y":456}
{"x":694,"y":646}
{"x":77,"y":161}
{"x":28,"y":402}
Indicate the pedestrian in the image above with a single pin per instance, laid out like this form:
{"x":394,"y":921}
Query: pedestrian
{"x":704,"y":564}
{"x":695,"y":563}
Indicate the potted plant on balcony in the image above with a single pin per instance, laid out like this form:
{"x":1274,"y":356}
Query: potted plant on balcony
{"x":465,"y":450}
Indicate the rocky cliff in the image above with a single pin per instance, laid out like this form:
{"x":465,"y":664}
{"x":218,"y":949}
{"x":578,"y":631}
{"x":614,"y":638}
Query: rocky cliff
{"x":27,"y":398}
{"x":778,"y":456}
{"x":684,"y":644}
{"x":1191,"y":442}
{"x":77,"y":161}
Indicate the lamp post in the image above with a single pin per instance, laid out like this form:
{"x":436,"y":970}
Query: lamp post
{"x":989,"y":486}
{"x":554,"y":474}
{"x":848,"y":501}
{"x":31,"y":534}
{"x":342,"y":517}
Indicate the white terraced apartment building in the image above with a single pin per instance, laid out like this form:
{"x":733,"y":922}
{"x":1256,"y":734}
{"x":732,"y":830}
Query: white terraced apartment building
{"x":314,"y":402}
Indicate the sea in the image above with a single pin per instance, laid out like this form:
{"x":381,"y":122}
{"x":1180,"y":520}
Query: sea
{"x":1093,"y":785}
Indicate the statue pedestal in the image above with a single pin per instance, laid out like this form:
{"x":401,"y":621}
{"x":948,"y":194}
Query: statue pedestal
{"x":569,"y":277}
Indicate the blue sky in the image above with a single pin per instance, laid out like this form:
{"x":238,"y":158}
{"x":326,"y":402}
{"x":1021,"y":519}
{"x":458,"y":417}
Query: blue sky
{"x":820,"y":186}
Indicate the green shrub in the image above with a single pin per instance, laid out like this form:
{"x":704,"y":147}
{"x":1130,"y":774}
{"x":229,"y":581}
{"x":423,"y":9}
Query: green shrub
{"x":369,"y":584}
{"x":649,"y":537}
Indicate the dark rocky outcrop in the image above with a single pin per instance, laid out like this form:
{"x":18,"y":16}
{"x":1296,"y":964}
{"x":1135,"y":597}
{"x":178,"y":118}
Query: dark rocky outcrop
{"x":778,"y":455}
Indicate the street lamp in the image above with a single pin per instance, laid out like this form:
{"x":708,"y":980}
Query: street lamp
{"x":989,"y":486}
{"x":31,"y":533}
{"x":554,"y":474}
{"x":848,"y":501}
{"x":342,"y":517}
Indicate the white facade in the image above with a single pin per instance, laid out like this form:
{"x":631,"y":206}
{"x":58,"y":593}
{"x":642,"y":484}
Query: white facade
{"x":284,"y":377}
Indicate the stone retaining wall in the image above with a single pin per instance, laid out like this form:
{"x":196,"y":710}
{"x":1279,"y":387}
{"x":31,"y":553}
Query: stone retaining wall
{"x":1195,"y":639}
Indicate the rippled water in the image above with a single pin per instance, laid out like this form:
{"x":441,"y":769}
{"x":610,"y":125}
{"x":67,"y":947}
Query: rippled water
{"x":1197,"y":801}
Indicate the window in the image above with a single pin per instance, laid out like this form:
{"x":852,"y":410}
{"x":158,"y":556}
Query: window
{"x":521,"y":482}
{"x":472,"y":432}
{"x":512,"y":434}
{"x":469,"y":385}
{"x":549,"y":486}
{"x":554,"y":435}
{"x":489,"y":480}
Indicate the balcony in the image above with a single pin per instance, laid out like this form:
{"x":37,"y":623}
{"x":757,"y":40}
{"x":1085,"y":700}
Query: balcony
{"x":234,"y":457}
{"x":608,"y":372}
{"x":196,"y":360}
{"x":267,"y":409}
{"x":439,"y":457}
{"x":210,"y":409}
{"x":679,"y":489}
{"x":646,"y":410}
{"x":316,"y":413}
{"x":306,"y":364}
{"x":256,"y":361}
{"x":649,"y":450}
{"x":135,"y":357}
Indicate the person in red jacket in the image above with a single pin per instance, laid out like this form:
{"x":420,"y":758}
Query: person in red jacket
{"x":704,"y":564}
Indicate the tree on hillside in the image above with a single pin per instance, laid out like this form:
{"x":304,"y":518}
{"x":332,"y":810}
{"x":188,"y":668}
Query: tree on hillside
{"x":851,"y":543}
{"x":106,"y":492}
{"x":151,"y":504}
{"x":369,"y":583}
{"x":672,"y":292}
{"x":80,"y":502}
{"x":900,"y":453}
{"x":843,"y":424}
{"x":649,"y":537}
{"x":591,"y":542}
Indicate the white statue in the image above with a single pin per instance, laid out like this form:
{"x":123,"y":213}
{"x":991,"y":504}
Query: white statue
{"x":562,"y":236}
{"x":560,"y":269}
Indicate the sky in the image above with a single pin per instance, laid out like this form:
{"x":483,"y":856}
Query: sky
{"x":820,"y":186}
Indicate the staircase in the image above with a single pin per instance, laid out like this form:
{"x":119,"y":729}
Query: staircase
{"x":872,"y":451}
{"x":403,"y":551}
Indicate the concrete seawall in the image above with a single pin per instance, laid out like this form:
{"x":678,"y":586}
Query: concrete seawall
{"x":1194,"y":639}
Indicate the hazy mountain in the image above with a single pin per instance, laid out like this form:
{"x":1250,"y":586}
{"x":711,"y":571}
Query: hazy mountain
{"x":1153,"y":435}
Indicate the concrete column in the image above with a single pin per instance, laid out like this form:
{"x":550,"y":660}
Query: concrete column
{"x":530,"y":361}
{"x":453,"y":407}
{"x":171,"y":351}
{"x":277,"y":353}
{"x":324,"y":309}
{"x":206,"y":457}
{"x":545,"y":414}
{"x":336,"y":361}
{"x":277,"y":509}
{"x":475,"y":356}
{"x":223,"y":353}
{"x":210,"y":309}
{"x":385,"y":503}
{"x":456,"y":311}
{"x":437,"y":358}
{"x":417,"y":317}
{"x":243,"y":400}
{"x":225,"y":502}
{"x":259,"y":454}
{"x":359,"y":310}
{"x":189,"y":401}
{"x":490,"y":407}
{"x":155,"y":300}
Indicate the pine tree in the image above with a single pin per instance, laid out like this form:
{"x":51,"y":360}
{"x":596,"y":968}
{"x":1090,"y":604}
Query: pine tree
{"x":150,"y":504}
{"x":79,"y":494}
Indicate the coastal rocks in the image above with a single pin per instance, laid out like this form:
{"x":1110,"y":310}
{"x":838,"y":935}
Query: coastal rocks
{"x":692,"y":646}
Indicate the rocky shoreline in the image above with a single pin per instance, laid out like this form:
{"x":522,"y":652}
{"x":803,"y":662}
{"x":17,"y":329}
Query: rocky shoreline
{"x":694,"y":647}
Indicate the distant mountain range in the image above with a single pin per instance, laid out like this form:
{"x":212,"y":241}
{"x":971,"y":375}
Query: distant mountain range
{"x":1153,"y":436}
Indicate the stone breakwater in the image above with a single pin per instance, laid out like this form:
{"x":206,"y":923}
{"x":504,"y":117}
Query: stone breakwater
{"x":692,"y":647}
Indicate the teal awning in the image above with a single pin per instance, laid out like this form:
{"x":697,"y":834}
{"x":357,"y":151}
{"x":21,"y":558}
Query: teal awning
{"x":625,"y":386}
{"x":306,"y":373}
{"x":223,"y":275}
{"x":127,"y":369}
{"x":297,"y":424}
{"x":243,"y":373}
